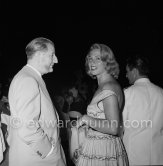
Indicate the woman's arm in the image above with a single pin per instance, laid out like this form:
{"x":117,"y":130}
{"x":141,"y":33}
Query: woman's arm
{"x":110,"y":125}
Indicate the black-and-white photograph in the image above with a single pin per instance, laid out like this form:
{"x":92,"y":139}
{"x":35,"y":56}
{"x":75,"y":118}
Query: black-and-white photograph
{"x":81,"y":84}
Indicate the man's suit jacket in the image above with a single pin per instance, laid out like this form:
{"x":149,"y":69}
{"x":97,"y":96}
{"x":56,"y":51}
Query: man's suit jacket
{"x":143,"y":120}
{"x":2,"y":144}
{"x":33,"y":123}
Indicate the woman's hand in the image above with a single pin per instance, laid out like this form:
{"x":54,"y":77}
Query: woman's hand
{"x":84,"y":120}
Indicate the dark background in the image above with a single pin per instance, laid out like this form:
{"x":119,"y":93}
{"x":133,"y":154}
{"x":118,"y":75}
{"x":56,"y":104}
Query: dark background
{"x":127,"y":27}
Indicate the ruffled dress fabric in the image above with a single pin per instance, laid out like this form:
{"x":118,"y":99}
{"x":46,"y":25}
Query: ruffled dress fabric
{"x":101,"y":149}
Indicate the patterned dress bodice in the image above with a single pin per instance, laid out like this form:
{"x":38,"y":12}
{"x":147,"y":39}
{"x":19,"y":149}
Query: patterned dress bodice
{"x":95,"y":109}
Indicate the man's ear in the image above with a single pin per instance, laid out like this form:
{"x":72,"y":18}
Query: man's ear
{"x":38,"y":56}
{"x":135,"y":72}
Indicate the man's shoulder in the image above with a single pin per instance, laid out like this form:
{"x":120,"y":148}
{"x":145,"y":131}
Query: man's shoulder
{"x":129,"y":88}
{"x":23,"y":76}
{"x":139,"y":88}
{"x":23,"y":73}
{"x":156,"y":88}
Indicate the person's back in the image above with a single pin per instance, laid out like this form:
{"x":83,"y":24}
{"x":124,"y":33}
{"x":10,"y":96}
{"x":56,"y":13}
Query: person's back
{"x":143,"y":132}
{"x":142,"y":116}
{"x":156,"y":113}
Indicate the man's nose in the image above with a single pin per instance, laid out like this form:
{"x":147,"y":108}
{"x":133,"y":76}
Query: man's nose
{"x":55,"y":59}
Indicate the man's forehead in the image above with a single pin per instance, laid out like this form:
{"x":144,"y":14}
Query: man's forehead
{"x":50,"y":47}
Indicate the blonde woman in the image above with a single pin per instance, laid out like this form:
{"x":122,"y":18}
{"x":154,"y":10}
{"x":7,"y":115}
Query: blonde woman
{"x":102,"y":145}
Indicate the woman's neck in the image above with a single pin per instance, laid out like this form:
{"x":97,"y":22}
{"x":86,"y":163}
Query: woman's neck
{"x":105,"y":77}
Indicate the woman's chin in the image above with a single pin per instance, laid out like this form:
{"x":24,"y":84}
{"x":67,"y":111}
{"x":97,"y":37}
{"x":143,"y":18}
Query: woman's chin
{"x":94,"y":73}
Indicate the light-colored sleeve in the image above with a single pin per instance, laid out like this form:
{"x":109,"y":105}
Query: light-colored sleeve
{"x":27,"y":103}
{"x":2,"y":144}
{"x":5,"y":119}
{"x":127,"y":95}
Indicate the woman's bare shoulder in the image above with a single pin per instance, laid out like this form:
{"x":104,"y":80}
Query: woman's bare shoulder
{"x":113,"y":86}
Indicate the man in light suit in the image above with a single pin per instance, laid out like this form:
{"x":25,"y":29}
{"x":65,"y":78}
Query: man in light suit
{"x":33,"y":130}
{"x":142,"y":115}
